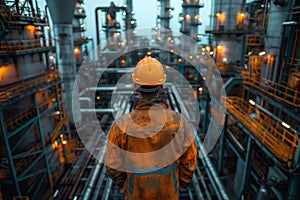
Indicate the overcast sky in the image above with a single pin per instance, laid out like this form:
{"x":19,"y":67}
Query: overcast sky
{"x":146,"y":12}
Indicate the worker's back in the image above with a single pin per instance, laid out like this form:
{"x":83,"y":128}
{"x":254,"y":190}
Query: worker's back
{"x":158,"y":137}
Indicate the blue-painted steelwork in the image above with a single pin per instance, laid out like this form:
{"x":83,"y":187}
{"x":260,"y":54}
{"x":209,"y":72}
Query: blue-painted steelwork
{"x":42,"y":140}
{"x":222,"y":143}
{"x":247,"y":166}
{"x":9,"y":155}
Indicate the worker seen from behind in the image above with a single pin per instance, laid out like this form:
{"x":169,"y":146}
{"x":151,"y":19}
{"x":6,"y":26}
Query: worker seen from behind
{"x":151,"y":154}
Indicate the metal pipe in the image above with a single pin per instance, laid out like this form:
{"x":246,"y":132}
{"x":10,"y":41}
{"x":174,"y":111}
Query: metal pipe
{"x":92,"y":180}
{"x":97,"y":110}
{"x":107,"y":189}
{"x":197,"y":187}
{"x":264,"y":17}
{"x":97,"y":26}
{"x":206,"y":191}
{"x":86,"y":99}
{"x":216,"y":183}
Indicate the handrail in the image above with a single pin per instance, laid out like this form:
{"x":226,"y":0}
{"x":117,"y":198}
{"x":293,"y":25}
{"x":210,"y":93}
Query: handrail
{"x":254,"y":40}
{"x":25,"y":45}
{"x":276,"y":90}
{"x":59,"y":127}
{"x":18,"y":90}
{"x":277,"y":139}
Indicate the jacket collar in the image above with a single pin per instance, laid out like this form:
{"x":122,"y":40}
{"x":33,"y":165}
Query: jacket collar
{"x":146,"y":103}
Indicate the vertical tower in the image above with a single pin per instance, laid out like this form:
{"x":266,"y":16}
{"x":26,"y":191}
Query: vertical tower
{"x":189,"y":18}
{"x":62,"y":14}
{"x":228,"y":29}
{"x":80,"y":40}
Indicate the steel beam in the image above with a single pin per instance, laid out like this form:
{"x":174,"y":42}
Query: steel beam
{"x":247,"y":167}
{"x":41,"y":133}
{"x":221,"y":150}
{"x":9,"y":155}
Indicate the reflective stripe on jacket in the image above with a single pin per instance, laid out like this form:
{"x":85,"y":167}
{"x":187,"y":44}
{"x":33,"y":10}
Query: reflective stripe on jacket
{"x":146,"y":130}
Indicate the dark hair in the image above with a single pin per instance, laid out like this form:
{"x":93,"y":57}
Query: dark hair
{"x":149,"y":90}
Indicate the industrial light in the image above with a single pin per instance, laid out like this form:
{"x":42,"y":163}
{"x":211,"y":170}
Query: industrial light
{"x":191,"y":57}
{"x":172,"y":50}
{"x":98,"y":97}
{"x":285,"y":125}
{"x":57,"y":112}
{"x":188,"y":17}
{"x":200,"y":89}
{"x":203,"y":49}
{"x":207,"y":48}
{"x":61,"y":135}
{"x":225,"y":59}
{"x":211,"y":53}
{"x":219,"y":47}
{"x":149,"y":53}
{"x":181,"y":18}
{"x":203,"y":53}
{"x":56,"y":193}
{"x":167,"y":66}
{"x":132,"y":22}
{"x":262,"y":53}
{"x":80,"y":10}
{"x":196,"y":17}
{"x":51,"y":57}
{"x":251,"y":102}
{"x":242,"y":14}
{"x":123,"y":61}
{"x":197,"y":56}
{"x":76,"y":50}
{"x":204,"y":78}
{"x":64,"y":142}
{"x":179,"y":60}
{"x":218,"y":14}
{"x":48,"y":27}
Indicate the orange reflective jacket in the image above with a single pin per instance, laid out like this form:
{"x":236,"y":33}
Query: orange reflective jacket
{"x":151,"y":153}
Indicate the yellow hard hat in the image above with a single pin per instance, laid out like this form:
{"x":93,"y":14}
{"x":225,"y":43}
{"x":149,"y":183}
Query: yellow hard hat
{"x":149,"y":72}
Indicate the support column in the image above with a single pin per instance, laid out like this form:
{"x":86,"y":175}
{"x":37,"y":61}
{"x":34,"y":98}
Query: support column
{"x":221,"y":151}
{"x":9,"y":155}
{"x":293,"y":189}
{"x":41,"y":134}
{"x":246,"y":167}
{"x":66,"y":63}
